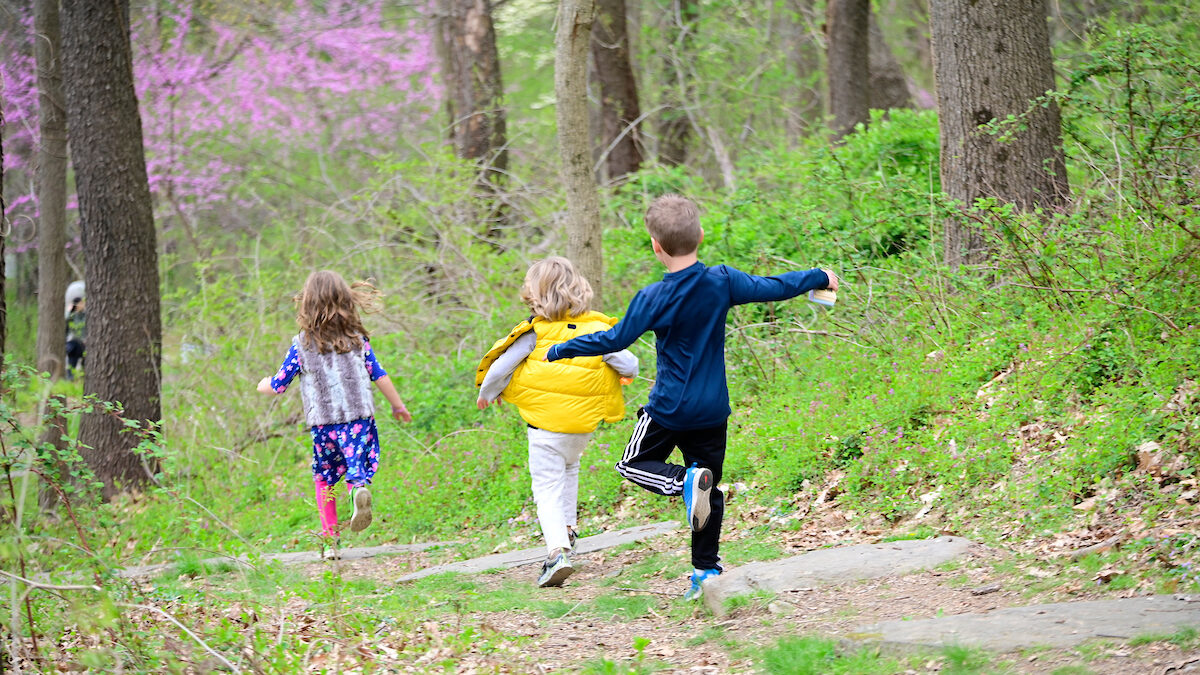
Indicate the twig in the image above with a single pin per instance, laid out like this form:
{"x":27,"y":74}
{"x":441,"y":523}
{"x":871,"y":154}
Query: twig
{"x":184,"y":628}
{"x":644,"y":590}
{"x":50,"y":587}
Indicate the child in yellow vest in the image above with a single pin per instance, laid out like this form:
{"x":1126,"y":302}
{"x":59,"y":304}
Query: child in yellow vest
{"x":562,"y":402}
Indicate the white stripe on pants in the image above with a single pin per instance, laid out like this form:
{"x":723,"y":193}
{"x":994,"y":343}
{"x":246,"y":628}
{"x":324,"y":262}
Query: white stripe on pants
{"x":554,"y":468}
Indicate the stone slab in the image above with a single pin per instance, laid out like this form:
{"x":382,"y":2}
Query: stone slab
{"x":292,"y":558}
{"x":537,"y":555}
{"x":1063,"y":624}
{"x":832,"y":566}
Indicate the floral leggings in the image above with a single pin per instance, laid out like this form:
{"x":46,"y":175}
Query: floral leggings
{"x":348,"y":450}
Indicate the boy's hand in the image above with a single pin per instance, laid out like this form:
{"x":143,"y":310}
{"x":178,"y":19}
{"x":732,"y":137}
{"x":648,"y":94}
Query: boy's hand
{"x":401,"y":414}
{"x":833,"y":279}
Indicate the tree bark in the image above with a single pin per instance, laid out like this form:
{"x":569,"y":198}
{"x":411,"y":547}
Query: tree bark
{"x":888,"y":85}
{"x":675,"y":126}
{"x":474,"y":92}
{"x":849,"y":63}
{"x":575,"y":19}
{"x":991,"y":60}
{"x":51,"y":191}
{"x":5,"y":229}
{"x":124,"y":326}
{"x":619,"y":110}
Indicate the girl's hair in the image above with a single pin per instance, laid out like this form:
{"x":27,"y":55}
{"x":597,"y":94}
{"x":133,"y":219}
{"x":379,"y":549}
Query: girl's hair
{"x":554,"y":290}
{"x":327,"y":311}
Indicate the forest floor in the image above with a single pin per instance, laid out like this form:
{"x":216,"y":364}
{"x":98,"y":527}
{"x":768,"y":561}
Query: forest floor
{"x":621,"y":612}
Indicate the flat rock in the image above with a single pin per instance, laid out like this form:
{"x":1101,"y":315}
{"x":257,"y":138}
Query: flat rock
{"x":293,"y":558}
{"x":1061,"y":624}
{"x":537,"y":555}
{"x":832,"y":566}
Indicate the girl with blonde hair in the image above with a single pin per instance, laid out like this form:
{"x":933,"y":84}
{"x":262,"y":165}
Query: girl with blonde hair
{"x":562,"y":403}
{"x":333,"y":357}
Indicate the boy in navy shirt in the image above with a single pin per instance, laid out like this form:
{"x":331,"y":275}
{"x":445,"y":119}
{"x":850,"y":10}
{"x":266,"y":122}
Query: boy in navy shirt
{"x":688,"y":407}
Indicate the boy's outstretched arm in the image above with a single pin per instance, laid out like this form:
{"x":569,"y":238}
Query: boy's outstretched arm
{"x":744,"y":288}
{"x":631,"y":326}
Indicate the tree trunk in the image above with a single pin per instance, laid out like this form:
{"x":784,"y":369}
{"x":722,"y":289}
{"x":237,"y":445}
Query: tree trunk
{"x":124,"y":326}
{"x":678,"y":90}
{"x":51,"y":191}
{"x":619,"y":110}
{"x":849,"y":63}
{"x":889,"y":86}
{"x":466,"y":40}
{"x":991,"y":60}
{"x":4,"y":232}
{"x":570,"y":88}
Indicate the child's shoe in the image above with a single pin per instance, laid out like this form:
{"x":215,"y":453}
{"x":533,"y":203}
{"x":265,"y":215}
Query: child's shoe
{"x":331,"y":548}
{"x":696,"y":486}
{"x":698,"y":579}
{"x":556,"y":570}
{"x":362,"y":509}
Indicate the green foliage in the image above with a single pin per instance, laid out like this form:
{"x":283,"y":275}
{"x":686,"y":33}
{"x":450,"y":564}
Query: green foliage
{"x":820,"y":656}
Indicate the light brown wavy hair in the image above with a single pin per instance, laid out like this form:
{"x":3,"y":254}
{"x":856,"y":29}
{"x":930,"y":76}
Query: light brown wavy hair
{"x":327,"y":311}
{"x":674,"y":221}
{"x":554,"y":290}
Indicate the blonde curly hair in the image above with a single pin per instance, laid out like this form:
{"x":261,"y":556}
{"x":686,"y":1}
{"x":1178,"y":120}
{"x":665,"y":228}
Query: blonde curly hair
{"x":327,"y":311}
{"x":554,"y":290}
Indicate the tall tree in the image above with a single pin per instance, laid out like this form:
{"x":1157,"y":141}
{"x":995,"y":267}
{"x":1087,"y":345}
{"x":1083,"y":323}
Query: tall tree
{"x":51,"y":190}
{"x":674,"y":129}
{"x":466,"y":42}
{"x":619,"y":110}
{"x":575,"y":18}
{"x":4,"y":231}
{"x":888,"y":87}
{"x":991,"y":60}
{"x":848,"y":24}
{"x":124,"y":326}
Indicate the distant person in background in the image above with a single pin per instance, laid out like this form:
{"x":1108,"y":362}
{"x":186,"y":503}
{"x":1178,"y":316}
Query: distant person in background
{"x":688,"y":406}
{"x":76,"y":300}
{"x":562,"y":403}
{"x":333,"y":357}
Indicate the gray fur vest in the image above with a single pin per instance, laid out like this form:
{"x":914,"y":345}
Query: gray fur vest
{"x":335,"y":387}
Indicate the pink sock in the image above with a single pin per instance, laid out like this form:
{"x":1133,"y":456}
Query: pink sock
{"x":326,"y":508}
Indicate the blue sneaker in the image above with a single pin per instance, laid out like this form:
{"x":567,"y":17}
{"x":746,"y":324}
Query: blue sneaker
{"x":696,"y":486}
{"x":698,"y":579}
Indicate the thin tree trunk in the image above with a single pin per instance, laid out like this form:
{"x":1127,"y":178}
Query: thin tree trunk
{"x":575,"y":19}
{"x":619,"y":109}
{"x":804,"y":49}
{"x":4,"y":232}
{"x":889,"y":86}
{"x":51,"y":191}
{"x":675,"y":126}
{"x":849,"y":63}
{"x":992,"y":59}
{"x":474,"y":91}
{"x":124,"y":325}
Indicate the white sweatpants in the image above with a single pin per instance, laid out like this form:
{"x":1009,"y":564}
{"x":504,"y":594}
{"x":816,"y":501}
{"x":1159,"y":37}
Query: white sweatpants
{"x":554,"y":468}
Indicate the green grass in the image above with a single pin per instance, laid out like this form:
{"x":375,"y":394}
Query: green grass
{"x":820,"y":656}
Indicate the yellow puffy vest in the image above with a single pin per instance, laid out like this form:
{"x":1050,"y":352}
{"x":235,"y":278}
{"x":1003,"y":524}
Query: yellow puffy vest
{"x":569,"y":396}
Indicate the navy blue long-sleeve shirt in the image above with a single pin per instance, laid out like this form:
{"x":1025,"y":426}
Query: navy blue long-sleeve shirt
{"x":686,"y":311}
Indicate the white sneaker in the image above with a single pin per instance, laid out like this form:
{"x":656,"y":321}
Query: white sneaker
{"x":362,"y":509}
{"x":555,"y":570}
